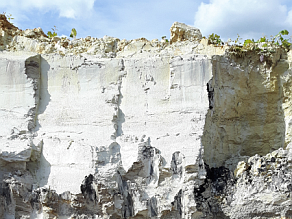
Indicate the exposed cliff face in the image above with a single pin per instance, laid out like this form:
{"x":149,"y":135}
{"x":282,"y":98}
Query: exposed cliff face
{"x":113,"y":121}
{"x":247,"y":115}
{"x":141,"y":129}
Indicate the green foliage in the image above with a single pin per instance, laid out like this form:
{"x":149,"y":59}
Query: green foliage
{"x":262,"y":39}
{"x":215,"y":39}
{"x":54,"y":33}
{"x":286,"y":44}
{"x":164,"y":38}
{"x":238,"y":39}
{"x":279,"y":39}
{"x":284,"y":32}
{"x":73,"y":33}
{"x":50,"y":34}
{"x":263,"y":43}
{"x":248,"y":41}
{"x":9,"y":17}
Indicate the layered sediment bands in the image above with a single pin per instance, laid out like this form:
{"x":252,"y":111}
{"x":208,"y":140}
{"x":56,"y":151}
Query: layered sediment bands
{"x":246,"y":115}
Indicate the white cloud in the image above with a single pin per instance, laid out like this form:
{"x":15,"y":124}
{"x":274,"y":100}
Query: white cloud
{"x":248,"y":18}
{"x":68,"y":9}
{"x":128,"y":19}
{"x":133,"y":19}
{"x":151,"y":19}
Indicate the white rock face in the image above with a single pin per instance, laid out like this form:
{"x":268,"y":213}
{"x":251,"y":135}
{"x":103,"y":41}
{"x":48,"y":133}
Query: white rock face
{"x":97,"y":116}
{"x":17,"y":91}
{"x":103,"y":128}
{"x":165,"y":100}
{"x":88,"y":104}
{"x":19,"y":99}
{"x":109,"y":108}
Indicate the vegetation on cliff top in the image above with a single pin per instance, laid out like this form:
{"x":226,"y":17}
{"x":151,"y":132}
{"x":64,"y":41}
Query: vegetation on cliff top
{"x":9,"y":17}
{"x":263,"y":44}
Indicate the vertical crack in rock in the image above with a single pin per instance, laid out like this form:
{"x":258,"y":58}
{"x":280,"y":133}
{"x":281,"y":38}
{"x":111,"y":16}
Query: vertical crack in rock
{"x":152,"y":207}
{"x":32,"y":71}
{"x":210,"y":91}
{"x":125,"y":191}
{"x":45,"y":97}
{"x":119,"y":116}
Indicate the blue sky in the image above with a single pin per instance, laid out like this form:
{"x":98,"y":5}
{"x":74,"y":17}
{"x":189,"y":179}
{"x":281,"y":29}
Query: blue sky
{"x":131,"y":19}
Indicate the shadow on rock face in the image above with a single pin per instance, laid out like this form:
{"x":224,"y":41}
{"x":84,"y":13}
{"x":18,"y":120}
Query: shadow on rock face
{"x":43,"y":169}
{"x":217,"y":183}
{"x":44,"y":96}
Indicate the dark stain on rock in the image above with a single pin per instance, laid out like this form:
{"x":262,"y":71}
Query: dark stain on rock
{"x":151,"y":169}
{"x":86,"y":188}
{"x":152,"y":207}
{"x":125,"y":191}
{"x":148,"y":152}
{"x":217,"y":183}
{"x":220,"y":177}
{"x":128,"y":210}
{"x":5,"y":192}
{"x":177,"y":203}
{"x":35,"y":200}
{"x":32,"y":64}
{"x":210,"y":91}
{"x":176,"y":163}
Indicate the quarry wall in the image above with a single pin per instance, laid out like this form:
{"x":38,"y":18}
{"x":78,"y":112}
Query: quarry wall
{"x":109,"y":128}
